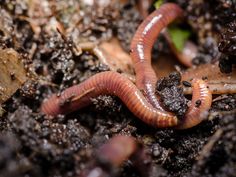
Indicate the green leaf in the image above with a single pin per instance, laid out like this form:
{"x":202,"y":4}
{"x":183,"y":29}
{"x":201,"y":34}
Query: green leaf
{"x":179,"y":37}
{"x":158,"y":4}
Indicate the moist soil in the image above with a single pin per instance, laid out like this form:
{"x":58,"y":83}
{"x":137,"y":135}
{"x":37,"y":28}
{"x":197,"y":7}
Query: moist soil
{"x":47,"y":35}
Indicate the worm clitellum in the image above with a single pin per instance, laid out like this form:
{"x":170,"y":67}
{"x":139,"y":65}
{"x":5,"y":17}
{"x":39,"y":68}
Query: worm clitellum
{"x":112,"y":83}
{"x":141,"y":47}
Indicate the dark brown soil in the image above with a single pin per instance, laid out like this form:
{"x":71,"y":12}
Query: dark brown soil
{"x":32,"y":145}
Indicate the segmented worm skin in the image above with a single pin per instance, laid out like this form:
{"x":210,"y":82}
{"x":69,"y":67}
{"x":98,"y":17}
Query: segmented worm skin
{"x":113,"y":154}
{"x":141,"y":47}
{"x":197,"y":114}
{"x":112,"y":83}
{"x":117,"y":150}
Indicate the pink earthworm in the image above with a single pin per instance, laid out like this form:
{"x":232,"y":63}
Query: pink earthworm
{"x":114,"y":153}
{"x":189,"y":51}
{"x":117,"y":149}
{"x":113,"y":83}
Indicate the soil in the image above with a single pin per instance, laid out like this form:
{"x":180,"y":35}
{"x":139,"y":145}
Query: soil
{"x":47,"y":35}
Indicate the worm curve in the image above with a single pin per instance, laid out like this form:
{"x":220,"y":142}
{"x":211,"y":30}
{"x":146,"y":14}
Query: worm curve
{"x":200,"y":104}
{"x":110,"y":83}
{"x":141,"y":47}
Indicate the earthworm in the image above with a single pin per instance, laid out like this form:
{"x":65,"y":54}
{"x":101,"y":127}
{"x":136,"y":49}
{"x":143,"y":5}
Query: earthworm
{"x":141,"y":47}
{"x":112,"y":83}
{"x":117,"y":150}
{"x":109,"y":82}
{"x":112,"y":154}
{"x":200,"y":104}
{"x":218,"y":82}
{"x":189,"y":50}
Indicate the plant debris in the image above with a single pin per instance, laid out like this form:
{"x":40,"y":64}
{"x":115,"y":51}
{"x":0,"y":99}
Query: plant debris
{"x":13,"y":73}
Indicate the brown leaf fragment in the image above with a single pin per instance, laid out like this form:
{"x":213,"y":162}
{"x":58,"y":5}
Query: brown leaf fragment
{"x":12,"y":73}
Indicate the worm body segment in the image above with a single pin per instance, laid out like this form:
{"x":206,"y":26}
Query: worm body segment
{"x":200,"y":104}
{"x":141,"y":47}
{"x":117,"y":150}
{"x":111,"y":155}
{"x":110,"y":83}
